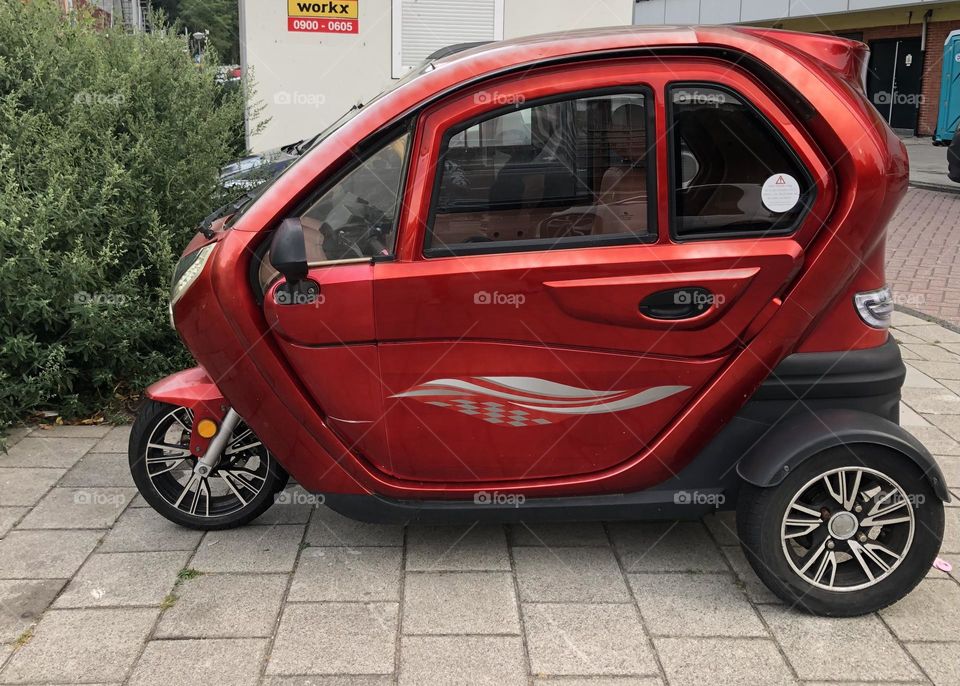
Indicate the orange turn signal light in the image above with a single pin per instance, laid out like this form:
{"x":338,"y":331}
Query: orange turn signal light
{"x":207,"y":428}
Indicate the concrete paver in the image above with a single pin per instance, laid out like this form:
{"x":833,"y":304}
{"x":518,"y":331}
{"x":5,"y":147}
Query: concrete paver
{"x":460,"y":603}
{"x":249,"y":549}
{"x":346,"y":574}
{"x":75,"y":646}
{"x":814,"y":647}
{"x":335,"y":638}
{"x":695,"y":605}
{"x":225,"y":662}
{"x":480,"y":660}
{"x":722,"y":662}
{"x":224,"y":606}
{"x":120,"y":579}
{"x":586,"y":639}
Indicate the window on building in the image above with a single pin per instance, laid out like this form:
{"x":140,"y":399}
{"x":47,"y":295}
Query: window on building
{"x":732,"y":172}
{"x":421,"y":27}
{"x":550,"y":175}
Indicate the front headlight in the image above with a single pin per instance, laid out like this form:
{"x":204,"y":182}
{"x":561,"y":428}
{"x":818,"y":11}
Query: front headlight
{"x":187,"y":271}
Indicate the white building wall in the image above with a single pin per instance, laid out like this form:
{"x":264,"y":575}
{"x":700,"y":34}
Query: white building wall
{"x":307,"y":80}
{"x":736,"y":11}
{"x":528,"y":17}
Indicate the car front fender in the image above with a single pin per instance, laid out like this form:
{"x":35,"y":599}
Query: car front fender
{"x":795,"y":439}
{"x":194,"y":389}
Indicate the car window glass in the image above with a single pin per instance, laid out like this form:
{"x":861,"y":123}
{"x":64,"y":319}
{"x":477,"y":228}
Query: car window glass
{"x":545,"y":175}
{"x":356,"y":217}
{"x":732,"y":173}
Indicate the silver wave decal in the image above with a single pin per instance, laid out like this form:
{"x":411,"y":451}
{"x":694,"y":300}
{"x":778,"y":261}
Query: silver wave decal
{"x":526,"y":401}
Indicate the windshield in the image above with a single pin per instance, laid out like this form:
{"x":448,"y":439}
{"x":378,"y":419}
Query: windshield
{"x":247,"y":200}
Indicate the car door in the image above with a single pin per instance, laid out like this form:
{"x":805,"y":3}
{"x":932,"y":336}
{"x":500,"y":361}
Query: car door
{"x":572,"y":273}
{"x":325,"y":328}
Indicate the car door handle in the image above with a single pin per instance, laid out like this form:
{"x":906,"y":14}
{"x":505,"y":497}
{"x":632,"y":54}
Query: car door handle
{"x":685,"y":302}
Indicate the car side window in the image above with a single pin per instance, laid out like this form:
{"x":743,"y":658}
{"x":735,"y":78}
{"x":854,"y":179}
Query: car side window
{"x":556,"y":174}
{"x":340,"y":222}
{"x":732,"y":172}
{"x":356,"y":217}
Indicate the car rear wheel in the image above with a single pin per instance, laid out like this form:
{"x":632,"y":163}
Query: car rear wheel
{"x":848,"y":532}
{"x":241,"y":488}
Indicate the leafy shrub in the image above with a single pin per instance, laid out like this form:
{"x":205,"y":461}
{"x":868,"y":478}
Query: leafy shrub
{"x":110,"y":145}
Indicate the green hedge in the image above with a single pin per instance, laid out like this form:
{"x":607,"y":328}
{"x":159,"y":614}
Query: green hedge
{"x":110,"y":145}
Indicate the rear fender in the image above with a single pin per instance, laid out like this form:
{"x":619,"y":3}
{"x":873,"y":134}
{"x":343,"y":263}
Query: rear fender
{"x":795,"y":439}
{"x":195,"y":390}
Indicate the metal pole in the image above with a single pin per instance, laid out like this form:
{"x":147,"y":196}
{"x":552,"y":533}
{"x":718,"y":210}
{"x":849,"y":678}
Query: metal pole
{"x":211,"y":458}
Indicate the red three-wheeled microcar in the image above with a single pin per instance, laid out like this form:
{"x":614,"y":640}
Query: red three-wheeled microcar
{"x":615,"y":274}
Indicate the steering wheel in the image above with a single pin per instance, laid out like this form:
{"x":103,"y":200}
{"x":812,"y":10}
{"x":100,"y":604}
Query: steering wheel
{"x":362,"y":232}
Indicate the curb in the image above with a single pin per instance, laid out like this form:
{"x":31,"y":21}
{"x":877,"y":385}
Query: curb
{"x":927,"y":318}
{"x":943,"y":188}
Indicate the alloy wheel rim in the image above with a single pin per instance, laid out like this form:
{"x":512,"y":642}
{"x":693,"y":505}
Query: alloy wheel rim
{"x":847,"y":529}
{"x":236,"y":482}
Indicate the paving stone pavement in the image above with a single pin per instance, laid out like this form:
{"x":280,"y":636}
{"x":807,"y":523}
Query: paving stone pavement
{"x":91,"y":589}
{"x":923,"y":253}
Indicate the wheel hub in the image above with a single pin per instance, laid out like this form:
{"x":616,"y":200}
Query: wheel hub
{"x":847,"y":529}
{"x":199,"y":489}
{"x":843,"y":525}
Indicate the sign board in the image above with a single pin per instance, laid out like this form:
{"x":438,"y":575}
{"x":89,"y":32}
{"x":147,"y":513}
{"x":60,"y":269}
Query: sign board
{"x":338,"y":16}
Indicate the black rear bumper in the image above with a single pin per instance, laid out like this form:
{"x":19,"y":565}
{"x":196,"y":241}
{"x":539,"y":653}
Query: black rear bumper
{"x":868,"y":380}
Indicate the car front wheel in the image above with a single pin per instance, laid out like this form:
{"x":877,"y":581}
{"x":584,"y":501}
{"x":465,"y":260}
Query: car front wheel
{"x":849,"y":531}
{"x":241,"y":488}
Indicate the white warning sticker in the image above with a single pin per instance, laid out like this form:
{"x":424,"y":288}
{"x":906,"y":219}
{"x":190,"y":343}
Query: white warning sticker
{"x":780,"y":193}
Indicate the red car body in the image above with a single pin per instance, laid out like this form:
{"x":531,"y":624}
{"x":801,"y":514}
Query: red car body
{"x":330,"y":389}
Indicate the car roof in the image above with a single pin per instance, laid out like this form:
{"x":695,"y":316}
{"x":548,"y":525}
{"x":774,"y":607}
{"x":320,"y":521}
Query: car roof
{"x":517,"y":51}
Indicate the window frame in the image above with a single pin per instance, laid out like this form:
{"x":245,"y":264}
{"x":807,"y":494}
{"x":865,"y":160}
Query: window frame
{"x":807,"y":199}
{"x":541,"y":244}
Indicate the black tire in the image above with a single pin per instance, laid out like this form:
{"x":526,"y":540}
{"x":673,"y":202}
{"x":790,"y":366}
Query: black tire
{"x":159,"y":488}
{"x":761,"y":528}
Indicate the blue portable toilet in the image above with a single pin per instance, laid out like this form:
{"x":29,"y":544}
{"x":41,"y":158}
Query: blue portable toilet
{"x":949,"y":115}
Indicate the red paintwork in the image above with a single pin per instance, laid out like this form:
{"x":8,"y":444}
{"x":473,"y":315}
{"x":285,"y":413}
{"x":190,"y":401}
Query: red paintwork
{"x":343,"y":313}
{"x":314,"y":381}
{"x":194,"y":389}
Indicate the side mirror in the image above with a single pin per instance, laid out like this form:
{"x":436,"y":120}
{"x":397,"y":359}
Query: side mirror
{"x":288,"y":250}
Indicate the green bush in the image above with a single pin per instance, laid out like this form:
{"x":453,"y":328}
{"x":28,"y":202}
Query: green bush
{"x":110,"y":145}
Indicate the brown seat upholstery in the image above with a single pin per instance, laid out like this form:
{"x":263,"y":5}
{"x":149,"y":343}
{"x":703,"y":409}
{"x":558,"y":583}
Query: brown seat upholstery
{"x":622,"y":201}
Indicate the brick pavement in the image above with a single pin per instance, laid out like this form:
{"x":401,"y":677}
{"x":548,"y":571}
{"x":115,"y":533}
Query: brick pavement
{"x":92,"y":587}
{"x":923,"y":254}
